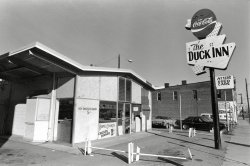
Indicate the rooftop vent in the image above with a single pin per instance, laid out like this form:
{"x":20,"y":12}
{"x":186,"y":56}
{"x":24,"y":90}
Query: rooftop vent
{"x":166,"y":85}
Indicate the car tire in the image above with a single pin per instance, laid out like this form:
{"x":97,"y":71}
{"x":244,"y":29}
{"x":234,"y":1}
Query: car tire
{"x":185,"y":127}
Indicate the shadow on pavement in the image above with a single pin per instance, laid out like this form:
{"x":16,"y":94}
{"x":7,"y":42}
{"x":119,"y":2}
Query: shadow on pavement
{"x":170,"y":161}
{"x":182,"y":140}
{"x":3,"y":140}
{"x":122,"y":157}
{"x":235,"y":143}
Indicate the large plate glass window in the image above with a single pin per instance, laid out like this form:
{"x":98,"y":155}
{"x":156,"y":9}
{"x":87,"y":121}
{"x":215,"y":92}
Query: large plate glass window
{"x":107,"y":112}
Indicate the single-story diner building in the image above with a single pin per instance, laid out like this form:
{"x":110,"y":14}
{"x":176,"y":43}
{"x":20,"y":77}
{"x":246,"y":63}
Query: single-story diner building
{"x":46,"y":96}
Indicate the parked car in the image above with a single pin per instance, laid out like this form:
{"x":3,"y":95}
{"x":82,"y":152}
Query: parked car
{"x":207,"y":114}
{"x":200,"y":123}
{"x":162,"y":121}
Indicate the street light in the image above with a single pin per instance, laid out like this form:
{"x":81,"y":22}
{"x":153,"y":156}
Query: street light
{"x":119,"y":61}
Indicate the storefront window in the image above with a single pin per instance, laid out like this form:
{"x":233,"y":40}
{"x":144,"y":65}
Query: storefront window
{"x":107,"y":112}
{"x":120,"y":113}
{"x":125,"y":90}
{"x":122,"y":89}
{"x":128,"y":90}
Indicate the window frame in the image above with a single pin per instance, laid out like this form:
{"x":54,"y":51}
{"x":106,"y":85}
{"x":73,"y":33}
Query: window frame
{"x":175,"y":95}
{"x":158,"y":96}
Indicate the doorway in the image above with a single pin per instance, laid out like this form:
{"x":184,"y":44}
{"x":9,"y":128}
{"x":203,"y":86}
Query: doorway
{"x":65,"y":117}
{"x":124,"y":118}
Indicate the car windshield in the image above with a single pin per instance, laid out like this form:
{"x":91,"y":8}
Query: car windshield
{"x":206,"y":119}
{"x":161,"y":117}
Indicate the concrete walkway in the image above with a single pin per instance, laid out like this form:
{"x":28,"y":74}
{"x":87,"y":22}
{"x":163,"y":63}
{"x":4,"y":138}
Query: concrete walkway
{"x":238,"y":148}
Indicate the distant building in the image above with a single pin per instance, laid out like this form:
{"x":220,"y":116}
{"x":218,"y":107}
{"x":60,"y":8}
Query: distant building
{"x":192,"y":99}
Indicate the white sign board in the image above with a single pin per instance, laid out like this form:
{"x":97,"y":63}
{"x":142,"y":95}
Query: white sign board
{"x":224,"y":82}
{"x":210,"y":52}
{"x":107,"y":130}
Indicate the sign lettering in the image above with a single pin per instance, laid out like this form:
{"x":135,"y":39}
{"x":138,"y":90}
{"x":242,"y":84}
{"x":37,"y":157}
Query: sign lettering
{"x":210,"y":52}
{"x":224,"y":82}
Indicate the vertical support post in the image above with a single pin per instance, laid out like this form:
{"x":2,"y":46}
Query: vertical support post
{"x":138,"y":151}
{"x":130,"y":152}
{"x":227,"y":119}
{"x":117,"y":106}
{"x":247,"y":100}
{"x":74,"y":111}
{"x":217,"y":139}
{"x":190,"y":132}
{"x":52,"y":109}
{"x":180,"y":113}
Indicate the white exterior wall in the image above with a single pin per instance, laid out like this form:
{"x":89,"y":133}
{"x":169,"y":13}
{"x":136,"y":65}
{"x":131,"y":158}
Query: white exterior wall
{"x":108,"y":88}
{"x":136,"y":93}
{"x":149,"y":121}
{"x":19,"y":120}
{"x":87,"y":120}
{"x":90,"y":90}
{"x":41,"y":131}
{"x":88,"y":87}
{"x":37,"y":120}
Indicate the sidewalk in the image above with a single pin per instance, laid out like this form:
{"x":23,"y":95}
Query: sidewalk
{"x":238,"y":148}
{"x":104,"y":143}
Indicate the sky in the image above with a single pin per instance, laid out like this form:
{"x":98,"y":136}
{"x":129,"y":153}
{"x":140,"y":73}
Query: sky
{"x":151,"y":33}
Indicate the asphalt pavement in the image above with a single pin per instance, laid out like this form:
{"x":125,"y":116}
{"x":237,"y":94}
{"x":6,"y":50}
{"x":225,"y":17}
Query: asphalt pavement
{"x":235,"y":150}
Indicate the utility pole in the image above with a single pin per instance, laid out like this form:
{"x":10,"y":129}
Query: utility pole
{"x":217,"y":139}
{"x":247,"y":100}
{"x":180,"y":114}
{"x":119,"y":61}
{"x":241,"y":102}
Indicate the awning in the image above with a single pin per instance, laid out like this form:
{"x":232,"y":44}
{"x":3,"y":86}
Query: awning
{"x":33,"y":61}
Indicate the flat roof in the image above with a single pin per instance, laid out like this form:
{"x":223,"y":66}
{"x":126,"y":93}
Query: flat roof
{"x":37,"y":59}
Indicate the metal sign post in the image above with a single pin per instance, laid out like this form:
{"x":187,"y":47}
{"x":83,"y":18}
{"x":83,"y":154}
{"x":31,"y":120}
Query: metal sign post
{"x":180,"y":114}
{"x":217,"y":139}
{"x":227,"y":118}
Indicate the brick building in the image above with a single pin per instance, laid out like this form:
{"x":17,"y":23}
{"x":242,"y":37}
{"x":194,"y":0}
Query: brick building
{"x":193,"y":99}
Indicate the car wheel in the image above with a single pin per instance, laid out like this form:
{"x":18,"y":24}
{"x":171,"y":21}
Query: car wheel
{"x":185,"y":127}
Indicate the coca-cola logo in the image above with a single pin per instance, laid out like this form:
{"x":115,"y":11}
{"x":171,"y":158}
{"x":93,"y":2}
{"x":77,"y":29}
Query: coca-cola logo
{"x":203,"y":23}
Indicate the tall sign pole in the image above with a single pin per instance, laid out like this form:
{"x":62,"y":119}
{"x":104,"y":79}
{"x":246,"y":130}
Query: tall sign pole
{"x":247,"y":100}
{"x":208,"y":52}
{"x":180,"y":114}
{"x":217,"y":139}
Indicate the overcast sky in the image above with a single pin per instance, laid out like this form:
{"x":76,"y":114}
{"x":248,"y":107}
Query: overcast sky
{"x":149,"y":32}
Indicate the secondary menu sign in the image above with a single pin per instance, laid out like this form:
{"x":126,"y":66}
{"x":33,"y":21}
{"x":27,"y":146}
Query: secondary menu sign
{"x":224,"y":82}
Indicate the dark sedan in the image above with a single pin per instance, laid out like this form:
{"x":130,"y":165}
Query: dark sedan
{"x":200,"y":123}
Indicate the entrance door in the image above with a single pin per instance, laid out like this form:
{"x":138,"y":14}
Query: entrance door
{"x":65,"y":117}
{"x":127,"y":118}
{"x":124,"y":118}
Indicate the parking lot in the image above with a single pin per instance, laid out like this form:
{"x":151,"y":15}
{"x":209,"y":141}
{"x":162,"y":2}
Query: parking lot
{"x":157,"y":141}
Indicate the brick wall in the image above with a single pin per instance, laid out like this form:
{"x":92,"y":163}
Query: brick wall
{"x":189,"y":105}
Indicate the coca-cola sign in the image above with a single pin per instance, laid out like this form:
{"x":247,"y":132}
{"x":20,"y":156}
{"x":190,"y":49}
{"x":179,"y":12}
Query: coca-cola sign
{"x":203,"y":23}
